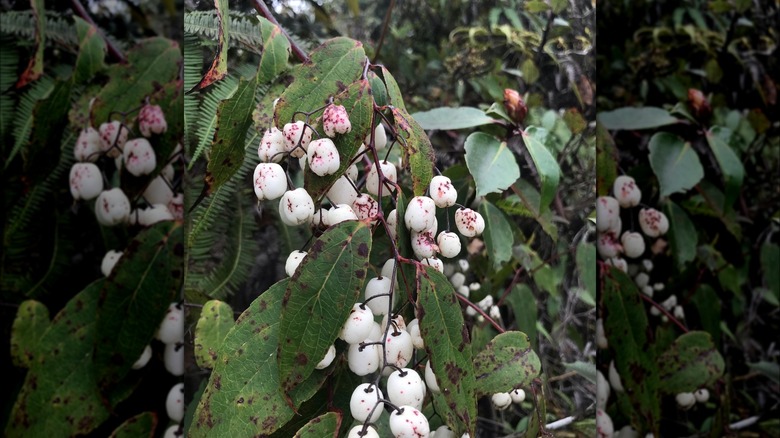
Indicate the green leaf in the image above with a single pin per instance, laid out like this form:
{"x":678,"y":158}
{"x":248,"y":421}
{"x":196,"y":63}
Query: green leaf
{"x":452,"y":118}
{"x":34,"y":68}
{"x":334,"y":65}
{"x":498,"y":234}
{"x":491,"y":163}
{"x":675,"y":163}
{"x":690,"y":363}
{"x":31,"y":322}
{"x":60,"y":395}
{"x":558,"y":5}
{"x":585,"y":369}
{"x":770,"y":260}
{"x":92,"y":51}
{"x":393,"y":90}
{"x":682,"y":234}
{"x":219,"y":66}
{"x":135,"y":298}
{"x":708,"y":306}
{"x":356,"y":99}
{"x":625,"y":325}
{"x":606,"y":161}
{"x":529,"y":69}
{"x":730,"y":165}
{"x":50,"y":119}
{"x":418,"y":152}
{"x":325,"y":425}
{"x":138,"y":426}
{"x":586,"y":266}
{"x":546,"y":166}
{"x":234,"y":117}
{"x":769,"y":369}
{"x":216,"y":320}
{"x":319,"y":298}
{"x":636,"y":118}
{"x":447,"y":344}
{"x":507,"y":362}
{"x":523,"y":304}
{"x":242,"y":397}
{"x":276,"y":52}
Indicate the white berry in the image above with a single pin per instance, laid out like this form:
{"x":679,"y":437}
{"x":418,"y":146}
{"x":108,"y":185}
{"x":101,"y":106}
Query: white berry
{"x":614,"y":378}
{"x":270,"y":181}
{"x":112,"y":138}
{"x":424,"y":244}
{"x":365,"y":207}
{"x":518,"y":395}
{"x":362,"y":403}
{"x":653,"y":222}
{"x":272,"y":146}
{"x":501,"y":400}
{"x":143,"y":359}
{"x":469,"y":222}
{"x":86,"y":181}
{"x":430,"y":378}
{"x":295,"y":133}
{"x":296,"y":207}
{"x":378,"y":286}
{"x":380,"y":137}
{"x":405,"y":387}
{"x":139,"y":157}
{"x":109,"y":261}
{"x":323,"y":157}
{"x":604,"y":426}
{"x":174,"y":403}
{"x":372,"y":179}
{"x":421,"y":213}
{"x":342,"y":191}
{"x":626,"y":191}
{"x":414,"y":331}
{"x":449,"y":244}
{"x":293,"y":260}
{"x":112,"y":207}
{"x":685,"y":400}
{"x":409,"y":422}
{"x":151,"y":120}
{"x":607,"y":212}
{"x":153,"y":214}
{"x":335,"y":120}
{"x":364,"y":360}
{"x":443,"y":432}
{"x":435,"y":262}
{"x":328,"y":359}
{"x":358,"y":326}
{"x":633,"y":244}
{"x":442,"y":191}
{"x":158,"y":191}
{"x":607,"y":245}
{"x":398,"y":348}
{"x":702,"y":395}
{"x":173,"y":357}
{"x":392,"y":223}
{"x":601,"y":339}
{"x":602,"y":390}
{"x":87,"y":146}
{"x":171,"y":328}
{"x":340,"y":213}
{"x":356,"y":431}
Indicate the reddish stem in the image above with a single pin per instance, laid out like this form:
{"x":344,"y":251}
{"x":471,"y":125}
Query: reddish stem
{"x":112,"y":49}
{"x":299,"y":53}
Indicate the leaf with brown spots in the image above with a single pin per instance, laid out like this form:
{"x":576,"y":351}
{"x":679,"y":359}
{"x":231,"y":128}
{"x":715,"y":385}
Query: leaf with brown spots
{"x":276,"y":52}
{"x":135,"y":298}
{"x":31,"y":322}
{"x":219,"y":66}
{"x":625,"y":326}
{"x":393,"y":90}
{"x":319,"y":299}
{"x":418,"y":152}
{"x":141,"y":425}
{"x":216,"y":320}
{"x":34,"y":68}
{"x":506,"y":362}
{"x":692,"y":362}
{"x":242,"y":397}
{"x":449,"y":349}
{"x":325,"y":425}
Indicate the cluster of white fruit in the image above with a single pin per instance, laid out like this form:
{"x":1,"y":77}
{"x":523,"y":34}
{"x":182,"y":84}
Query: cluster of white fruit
{"x":136,"y":156}
{"x":686,"y":400}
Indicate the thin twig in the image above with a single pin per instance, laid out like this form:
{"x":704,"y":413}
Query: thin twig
{"x":112,"y":49}
{"x":299,"y":53}
{"x":385,"y":25}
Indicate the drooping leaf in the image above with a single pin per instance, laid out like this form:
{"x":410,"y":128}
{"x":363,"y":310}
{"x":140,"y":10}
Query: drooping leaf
{"x":135,"y":298}
{"x":635,"y":118}
{"x":497,"y":235}
{"x":234,"y":117}
{"x":325,"y":425}
{"x":334,"y":65}
{"x":141,"y":425}
{"x":491,"y":163}
{"x":682,"y":234}
{"x":418,"y":152}
{"x":92,"y":51}
{"x":216,"y":320}
{"x":60,"y":394}
{"x":506,"y":362}
{"x":585,"y":369}
{"x":625,"y":324}
{"x":31,"y":322}
{"x":674,"y":163}
{"x":448,"y":346}
{"x":276,"y":52}
{"x":319,"y":298}
{"x":356,"y":99}
{"x":730,"y":166}
{"x":690,"y":363}
{"x":452,"y":118}
{"x":606,"y":160}
{"x":242,"y":397}
{"x":546,"y":167}
{"x":393,"y":90}
{"x":219,"y":66}
{"x":34,"y":68}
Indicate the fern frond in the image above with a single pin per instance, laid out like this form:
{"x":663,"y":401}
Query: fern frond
{"x":59,"y":29}
{"x":207,"y":114}
{"x":193,"y":65}
{"x":23,"y":121}
{"x":9,"y":60}
{"x":244,"y":29}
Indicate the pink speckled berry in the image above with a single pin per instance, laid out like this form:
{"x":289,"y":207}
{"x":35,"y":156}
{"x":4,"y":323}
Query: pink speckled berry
{"x":151,"y":120}
{"x":335,"y":120}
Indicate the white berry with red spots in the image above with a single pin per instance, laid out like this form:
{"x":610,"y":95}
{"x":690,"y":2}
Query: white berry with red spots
{"x":469,"y":222}
{"x":420,"y":213}
{"x":653,"y":222}
{"x":607,"y":212}
{"x":398,"y":348}
{"x":372,"y":179}
{"x":607,"y":245}
{"x":405,"y":387}
{"x":293,"y":261}
{"x":87,"y":146}
{"x":86,"y":181}
{"x":296,"y":207}
{"x":358,"y":326}
{"x":113,"y":137}
{"x":409,"y":422}
{"x":443,"y":192}
{"x":171,"y":328}
{"x":335,"y":120}
{"x":139,"y":157}
{"x":270,"y":181}
{"x":109,"y":261}
{"x":296,"y":138}
{"x":174,"y":402}
{"x":356,"y":431}
{"x":151,"y":120}
{"x":424,"y":244}
{"x":604,"y":426}
{"x":342,"y":191}
{"x":362,"y":403}
{"x":364,"y":359}
{"x":323,"y":157}
{"x":272,"y":146}
{"x":365,"y":207}
{"x":626,"y":191}
{"x":435,"y":262}
{"x":112,"y":207}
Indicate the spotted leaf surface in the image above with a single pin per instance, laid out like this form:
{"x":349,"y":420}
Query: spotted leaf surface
{"x":216,"y":320}
{"x":418,"y":152}
{"x":219,"y":65}
{"x":276,"y":52}
{"x":506,"y":362}
{"x":242,"y":397}
{"x":448,"y":346}
{"x":320,"y":427}
{"x":690,"y":363}
{"x":141,"y":425}
{"x":31,"y":322}
{"x":319,"y":298}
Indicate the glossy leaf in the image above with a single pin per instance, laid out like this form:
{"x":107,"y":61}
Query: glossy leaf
{"x":219,"y":66}
{"x":325,"y":425}
{"x":447,"y":344}
{"x":675,"y":163}
{"x":625,"y":324}
{"x":334,"y":66}
{"x":418,"y":152}
{"x":506,"y":362}
{"x":635,"y":118}
{"x":234,"y":117}
{"x":31,"y":322}
{"x":606,"y":161}
{"x":276,"y":52}
{"x":319,"y":298}
{"x":497,"y":235}
{"x":691,"y":362}
{"x":141,"y":425}
{"x":216,"y":320}
{"x":730,"y":166}
{"x":60,"y":396}
{"x":356,"y":99}
{"x":242,"y":397}
{"x":135,"y":298}
{"x":452,"y":118}
{"x":682,"y":234}
{"x":491,"y":163}
{"x":546,"y":166}
{"x":92,"y":51}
